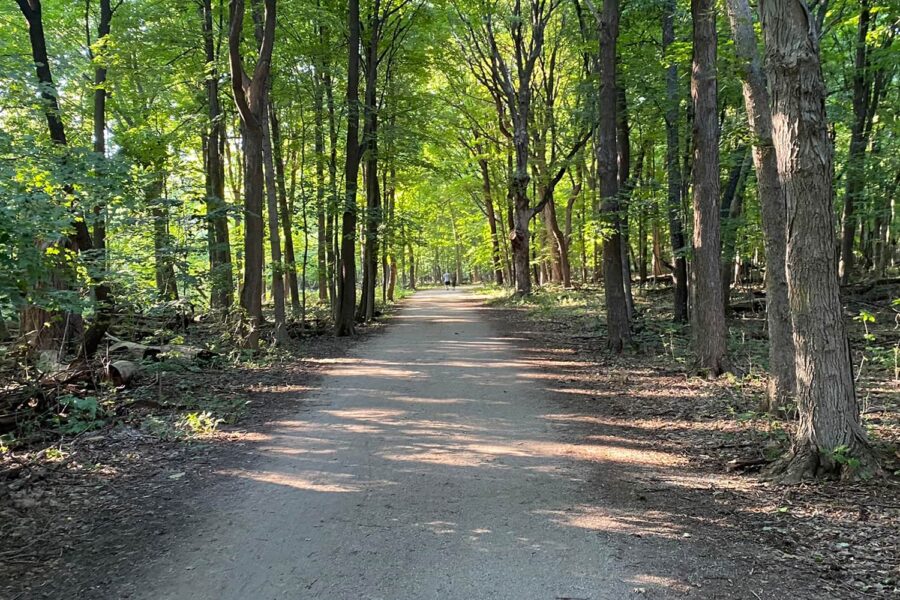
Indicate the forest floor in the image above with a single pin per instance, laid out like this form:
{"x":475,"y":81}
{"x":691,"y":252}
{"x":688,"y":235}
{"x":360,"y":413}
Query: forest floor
{"x":594,"y":477}
{"x":846,"y":533}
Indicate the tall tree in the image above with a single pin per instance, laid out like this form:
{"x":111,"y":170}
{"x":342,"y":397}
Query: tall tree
{"x":771,"y":198}
{"x":826,"y":400}
{"x":250,"y":99}
{"x":618,"y":323}
{"x":707,"y":306}
{"x":673,"y":167}
{"x":346,"y":305}
{"x":221,"y":275}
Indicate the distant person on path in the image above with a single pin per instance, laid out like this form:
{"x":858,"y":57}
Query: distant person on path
{"x":447,"y":280}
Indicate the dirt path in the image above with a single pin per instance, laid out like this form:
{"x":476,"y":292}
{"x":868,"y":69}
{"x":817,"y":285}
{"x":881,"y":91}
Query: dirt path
{"x":434,"y":465}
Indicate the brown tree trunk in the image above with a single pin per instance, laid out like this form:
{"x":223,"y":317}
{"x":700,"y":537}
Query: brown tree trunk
{"x":166,"y":285}
{"x":347,"y":279}
{"x":707,"y":306}
{"x":321,"y":237}
{"x":730,"y":211}
{"x":855,"y":175}
{"x":332,"y":250}
{"x":829,"y":425}
{"x":221,"y":276}
{"x":673,"y":169}
{"x":771,"y":197}
{"x":618,"y":326}
{"x":280,"y":334}
{"x":250,"y":99}
{"x":286,"y":212}
{"x":492,"y":219}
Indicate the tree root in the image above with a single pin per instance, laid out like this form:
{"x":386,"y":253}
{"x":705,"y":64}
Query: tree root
{"x":806,"y":462}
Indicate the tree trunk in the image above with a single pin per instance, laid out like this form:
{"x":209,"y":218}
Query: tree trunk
{"x":347,"y":281}
{"x":673,"y":169}
{"x":166,"y":285}
{"x":707,"y":306}
{"x":332,"y":252}
{"x":290,"y":257}
{"x":855,"y":174}
{"x":829,"y":425}
{"x":250,"y":99}
{"x":492,"y":220}
{"x":618,"y":326}
{"x":321,"y":234}
{"x":771,"y":198}
{"x":221,"y":276}
{"x":730,"y":211}
{"x":280,"y":334}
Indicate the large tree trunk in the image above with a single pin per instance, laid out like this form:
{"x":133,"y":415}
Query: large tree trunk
{"x":51,"y":330}
{"x":829,"y":427}
{"x":221,"y":276}
{"x":771,"y":199}
{"x":347,"y":282}
{"x":673,"y":169}
{"x":618,"y":326}
{"x":707,"y":306}
{"x":250,"y":99}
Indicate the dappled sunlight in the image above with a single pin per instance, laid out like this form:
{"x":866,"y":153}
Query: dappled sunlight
{"x":657,"y":581}
{"x":646,"y":522}
{"x":313,"y":481}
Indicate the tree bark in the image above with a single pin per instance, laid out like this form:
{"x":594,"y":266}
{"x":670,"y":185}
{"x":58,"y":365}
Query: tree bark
{"x":826,"y":400}
{"x":673,"y":170}
{"x":250,"y":99}
{"x":347,"y":281}
{"x":221,"y":275}
{"x":618,"y":325}
{"x":781,"y":383}
{"x":492,"y":218}
{"x":166,"y":285}
{"x":707,"y":306}
{"x":280,"y":335}
{"x":321,"y":237}
{"x":286,"y":212}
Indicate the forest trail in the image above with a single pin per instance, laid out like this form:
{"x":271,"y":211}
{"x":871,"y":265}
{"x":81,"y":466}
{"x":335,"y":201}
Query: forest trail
{"x":430,"y":465}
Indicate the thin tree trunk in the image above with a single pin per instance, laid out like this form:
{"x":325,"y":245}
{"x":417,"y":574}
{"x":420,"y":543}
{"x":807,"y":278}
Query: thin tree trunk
{"x":166,"y":285}
{"x":287,"y":214}
{"x":730,"y":211}
{"x":855,"y":174}
{"x":221,"y":276}
{"x":321,"y":234}
{"x":673,"y":169}
{"x":280,"y":334}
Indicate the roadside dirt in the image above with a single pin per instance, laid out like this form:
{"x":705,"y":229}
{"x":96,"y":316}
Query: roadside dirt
{"x":699,"y":448}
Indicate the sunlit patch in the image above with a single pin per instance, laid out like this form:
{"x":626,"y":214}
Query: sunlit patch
{"x":440,"y":527}
{"x":647,"y":522}
{"x":313,"y":481}
{"x":660,"y":582}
